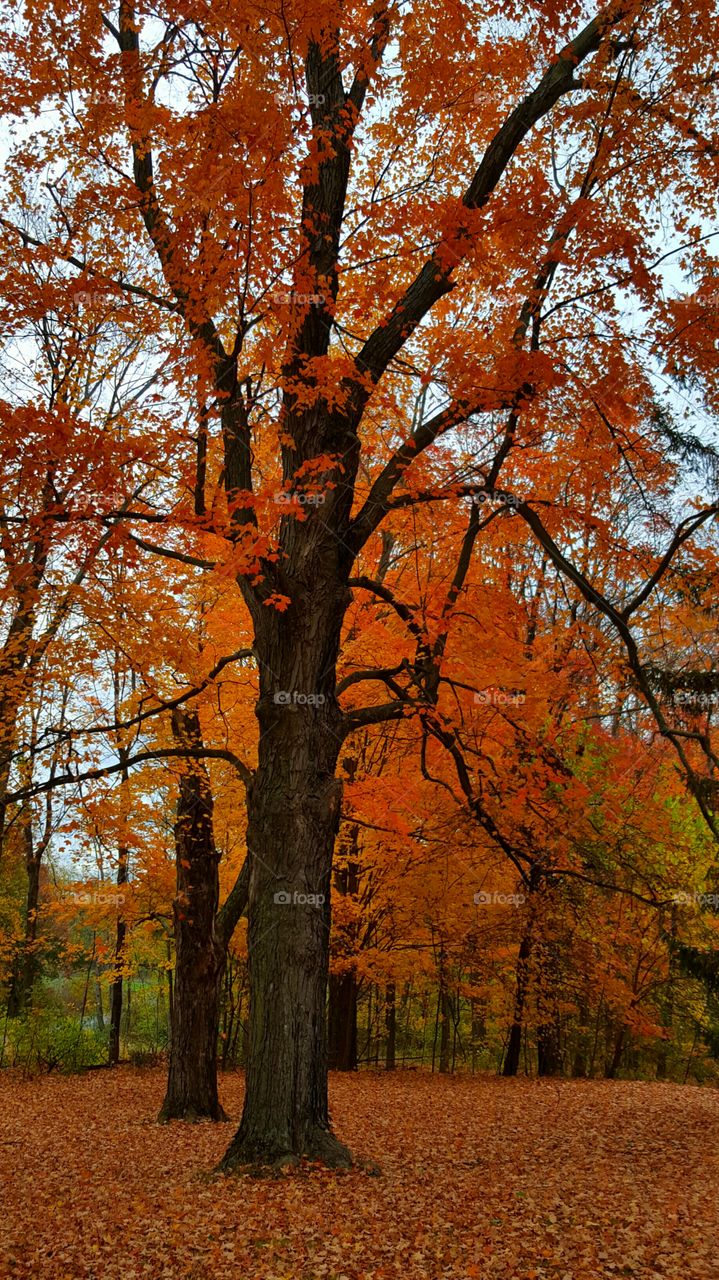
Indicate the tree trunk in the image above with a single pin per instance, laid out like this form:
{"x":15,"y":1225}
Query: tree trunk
{"x":123,"y":871}
{"x":342,"y":1022}
{"x":344,"y":988}
{"x":116,"y":983}
{"x":445,"y":1024}
{"x":616,"y":1058}
{"x":479,"y":1027}
{"x":549,"y":1060}
{"x":293,"y":805}
{"x":667,"y":1007}
{"x":202,"y":935}
{"x":512,"y":1055}
{"x":26,"y":967}
{"x":391,"y":1025}
{"x":99,"y":1010}
{"x":578,"y":1040}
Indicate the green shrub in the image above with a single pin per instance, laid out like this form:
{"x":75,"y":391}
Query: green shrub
{"x":46,"y":1041}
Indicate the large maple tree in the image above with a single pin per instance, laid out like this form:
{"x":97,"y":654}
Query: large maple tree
{"x":393,"y":256}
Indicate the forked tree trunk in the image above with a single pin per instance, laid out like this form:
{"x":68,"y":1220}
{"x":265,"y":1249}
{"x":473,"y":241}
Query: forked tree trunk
{"x":293,"y":816}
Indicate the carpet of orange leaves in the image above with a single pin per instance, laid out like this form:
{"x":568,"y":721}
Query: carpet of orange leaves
{"x":479,"y":1179}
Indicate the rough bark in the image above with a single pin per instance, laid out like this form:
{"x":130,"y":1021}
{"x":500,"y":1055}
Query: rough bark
{"x":199,"y":953}
{"x":293,"y":817}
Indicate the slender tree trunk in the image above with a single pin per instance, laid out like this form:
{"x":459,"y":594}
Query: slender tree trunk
{"x":479,"y":1027}
{"x":344,"y":987}
{"x":116,"y":985}
{"x":99,"y":1010}
{"x":513,"y":1052}
{"x":445,"y":1027}
{"x":123,"y":871}
{"x":549,"y":1060}
{"x":293,"y":816}
{"x":667,"y":1011}
{"x":616,"y":1058}
{"x":391,"y":1025}
{"x":26,"y":967}
{"x":579,"y":1060}
{"x":342,"y":1022}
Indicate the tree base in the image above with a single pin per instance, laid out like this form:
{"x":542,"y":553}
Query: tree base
{"x":259,"y":1158}
{"x":191,"y":1115}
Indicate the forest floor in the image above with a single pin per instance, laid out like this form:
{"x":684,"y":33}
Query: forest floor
{"x":479,"y":1179}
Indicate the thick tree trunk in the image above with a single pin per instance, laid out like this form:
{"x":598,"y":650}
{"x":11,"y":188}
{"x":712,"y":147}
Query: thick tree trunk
{"x":342,"y":1022}
{"x":199,"y":955}
{"x":293,"y":816}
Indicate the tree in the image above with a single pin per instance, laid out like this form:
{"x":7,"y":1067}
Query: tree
{"x":202,"y":936}
{"x":382,"y":347}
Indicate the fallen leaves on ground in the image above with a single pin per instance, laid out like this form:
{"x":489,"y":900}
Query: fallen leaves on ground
{"x":479,"y":1179}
